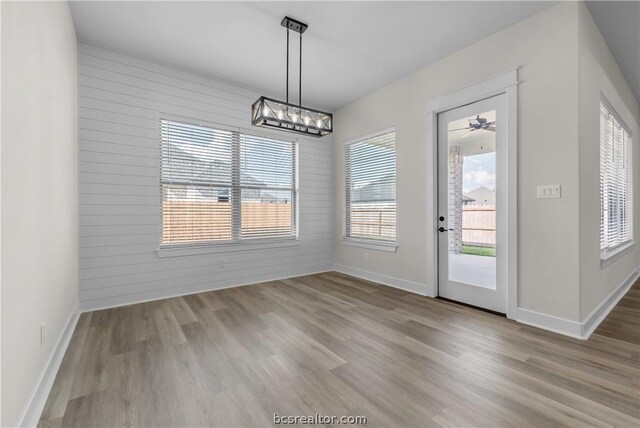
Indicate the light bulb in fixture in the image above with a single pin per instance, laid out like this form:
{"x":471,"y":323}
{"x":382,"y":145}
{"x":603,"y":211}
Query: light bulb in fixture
{"x":265,"y":111}
{"x":319,"y":123}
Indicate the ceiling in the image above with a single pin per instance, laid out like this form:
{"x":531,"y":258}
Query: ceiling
{"x":350,"y":48}
{"x":619,"y":23}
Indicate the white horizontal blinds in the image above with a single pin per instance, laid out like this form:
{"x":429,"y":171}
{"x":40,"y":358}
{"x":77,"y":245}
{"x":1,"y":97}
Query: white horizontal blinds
{"x":615,"y":181}
{"x":223,"y":186}
{"x":196,"y":178}
{"x":371,"y":188}
{"x":268,"y":187}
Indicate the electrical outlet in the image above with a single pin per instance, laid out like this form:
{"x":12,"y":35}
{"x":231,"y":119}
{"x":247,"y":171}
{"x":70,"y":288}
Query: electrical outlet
{"x":43,"y":331}
{"x":223,"y":262}
{"x":366,"y":256}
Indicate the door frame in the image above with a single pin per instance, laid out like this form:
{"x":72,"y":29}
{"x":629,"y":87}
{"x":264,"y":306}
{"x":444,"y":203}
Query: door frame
{"x":504,"y":83}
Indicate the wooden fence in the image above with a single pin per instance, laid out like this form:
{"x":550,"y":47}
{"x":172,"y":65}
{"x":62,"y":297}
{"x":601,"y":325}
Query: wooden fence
{"x":479,"y":225}
{"x":192,"y":221}
{"x":202,"y":220}
{"x":373,"y":221}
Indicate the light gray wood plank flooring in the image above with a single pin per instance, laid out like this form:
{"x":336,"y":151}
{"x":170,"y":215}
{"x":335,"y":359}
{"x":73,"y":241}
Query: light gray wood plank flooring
{"x":337,"y":345}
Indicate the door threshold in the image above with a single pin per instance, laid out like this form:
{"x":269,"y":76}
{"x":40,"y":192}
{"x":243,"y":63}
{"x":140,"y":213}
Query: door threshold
{"x":472,"y":306}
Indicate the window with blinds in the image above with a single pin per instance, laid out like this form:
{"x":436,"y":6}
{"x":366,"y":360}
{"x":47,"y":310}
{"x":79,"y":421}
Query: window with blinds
{"x":221,"y":186}
{"x":371,"y":188}
{"x":615,"y":181}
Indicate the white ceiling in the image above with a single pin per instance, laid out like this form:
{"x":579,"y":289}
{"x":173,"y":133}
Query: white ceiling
{"x":350,"y":48}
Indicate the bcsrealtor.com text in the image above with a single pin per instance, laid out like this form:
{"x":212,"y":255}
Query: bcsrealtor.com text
{"x":318,"y":419}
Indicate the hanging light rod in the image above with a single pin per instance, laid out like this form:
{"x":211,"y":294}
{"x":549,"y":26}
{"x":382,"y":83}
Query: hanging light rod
{"x":283,"y":115}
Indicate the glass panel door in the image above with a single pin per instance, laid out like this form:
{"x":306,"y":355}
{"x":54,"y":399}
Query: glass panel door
{"x":469,"y":203}
{"x":471,"y":145}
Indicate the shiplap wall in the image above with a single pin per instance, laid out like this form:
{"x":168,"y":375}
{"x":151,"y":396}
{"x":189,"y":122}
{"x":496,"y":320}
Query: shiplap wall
{"x":120,"y":100}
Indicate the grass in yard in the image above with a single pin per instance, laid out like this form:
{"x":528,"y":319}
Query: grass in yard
{"x":478,"y":251}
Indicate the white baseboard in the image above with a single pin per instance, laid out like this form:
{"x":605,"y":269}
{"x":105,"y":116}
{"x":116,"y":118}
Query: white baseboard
{"x":579,"y":330}
{"x":551,"y":323}
{"x":35,"y":405}
{"x":126,"y":300}
{"x":403,"y":284}
{"x":593,"y":320}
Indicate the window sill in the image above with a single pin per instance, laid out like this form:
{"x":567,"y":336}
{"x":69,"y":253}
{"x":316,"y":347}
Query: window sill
{"x":192,"y":250}
{"x":390,"y":247}
{"x":611,"y":256}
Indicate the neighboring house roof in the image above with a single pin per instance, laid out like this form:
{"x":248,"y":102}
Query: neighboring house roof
{"x":466,"y":198}
{"x":482,"y":195}
{"x":382,"y":189}
{"x":188,"y":168}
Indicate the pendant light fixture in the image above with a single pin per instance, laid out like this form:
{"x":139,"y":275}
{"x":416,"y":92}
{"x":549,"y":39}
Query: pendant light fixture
{"x":287,"y":116}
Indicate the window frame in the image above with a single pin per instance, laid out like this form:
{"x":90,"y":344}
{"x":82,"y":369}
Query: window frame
{"x":237,"y":243}
{"x":368,"y":243}
{"x":609,"y":254}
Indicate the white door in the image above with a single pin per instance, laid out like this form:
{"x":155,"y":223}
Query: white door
{"x":471,"y":203}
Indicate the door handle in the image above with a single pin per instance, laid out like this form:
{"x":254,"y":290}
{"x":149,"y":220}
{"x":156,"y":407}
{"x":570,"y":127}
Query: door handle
{"x":442,"y":229}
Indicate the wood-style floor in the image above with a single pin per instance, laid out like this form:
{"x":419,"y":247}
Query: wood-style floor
{"x":336,"y":345}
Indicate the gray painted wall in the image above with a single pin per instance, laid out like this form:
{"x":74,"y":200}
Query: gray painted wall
{"x":563,"y":66}
{"x":544,"y":47}
{"x":120,"y":99}
{"x":600,"y":75}
{"x":39,"y":198}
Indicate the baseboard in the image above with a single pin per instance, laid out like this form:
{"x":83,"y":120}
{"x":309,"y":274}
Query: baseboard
{"x":402,"y":284}
{"x":593,"y":320}
{"x":579,"y":330}
{"x":126,"y":300}
{"x":550,"y":323}
{"x":38,"y":398}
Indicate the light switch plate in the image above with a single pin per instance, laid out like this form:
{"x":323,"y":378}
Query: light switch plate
{"x":549,"y":191}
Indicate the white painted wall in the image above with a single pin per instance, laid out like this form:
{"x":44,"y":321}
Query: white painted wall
{"x":120,"y":99}
{"x":600,"y":74}
{"x":39,"y":191}
{"x":545,"y":47}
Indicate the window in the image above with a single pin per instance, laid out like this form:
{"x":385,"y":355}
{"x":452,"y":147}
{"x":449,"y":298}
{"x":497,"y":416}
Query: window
{"x":221,"y":186}
{"x":615,"y":181}
{"x":371,"y":188}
